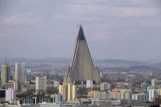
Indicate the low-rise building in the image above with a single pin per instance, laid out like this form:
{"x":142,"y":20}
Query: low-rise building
{"x":105,"y":86}
{"x":139,"y":97}
{"x":152,"y":93}
{"x":121,"y":94}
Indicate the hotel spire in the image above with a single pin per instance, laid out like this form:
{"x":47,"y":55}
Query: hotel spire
{"x":81,"y":34}
{"x":82,"y":67}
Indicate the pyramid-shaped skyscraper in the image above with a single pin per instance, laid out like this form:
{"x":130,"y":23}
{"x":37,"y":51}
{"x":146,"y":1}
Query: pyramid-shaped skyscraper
{"x":82,"y":67}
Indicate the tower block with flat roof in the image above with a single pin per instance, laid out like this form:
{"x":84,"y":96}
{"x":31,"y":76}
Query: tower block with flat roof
{"x":82,"y":71}
{"x":5,"y":69}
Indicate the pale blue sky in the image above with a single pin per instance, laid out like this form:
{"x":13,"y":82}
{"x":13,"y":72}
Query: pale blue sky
{"x":115,"y":29}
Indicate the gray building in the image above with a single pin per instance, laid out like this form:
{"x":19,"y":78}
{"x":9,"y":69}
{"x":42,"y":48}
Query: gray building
{"x":82,"y":68}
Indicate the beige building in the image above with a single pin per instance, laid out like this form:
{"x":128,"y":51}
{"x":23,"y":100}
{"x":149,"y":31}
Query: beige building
{"x":121,"y":94}
{"x":5,"y":69}
{"x":68,"y":91}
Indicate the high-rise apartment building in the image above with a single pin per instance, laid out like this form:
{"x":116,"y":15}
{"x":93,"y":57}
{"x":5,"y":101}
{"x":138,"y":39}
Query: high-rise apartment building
{"x":19,"y":75}
{"x":5,"y":69}
{"x":41,"y":83}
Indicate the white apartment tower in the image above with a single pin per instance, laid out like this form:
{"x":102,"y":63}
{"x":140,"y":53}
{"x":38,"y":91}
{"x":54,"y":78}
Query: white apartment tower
{"x":41,"y":83}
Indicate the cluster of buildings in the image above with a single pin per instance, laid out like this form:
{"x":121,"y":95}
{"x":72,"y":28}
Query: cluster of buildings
{"x":82,"y":86}
{"x":10,"y":83}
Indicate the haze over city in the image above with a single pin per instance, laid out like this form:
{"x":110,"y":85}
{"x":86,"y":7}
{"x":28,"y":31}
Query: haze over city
{"x":80,"y":53}
{"x":115,"y":29}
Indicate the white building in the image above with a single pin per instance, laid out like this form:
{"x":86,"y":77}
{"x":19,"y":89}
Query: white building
{"x":153,"y":82}
{"x":10,"y":95}
{"x":89,"y":84}
{"x":41,"y":83}
{"x":139,"y":97}
{"x":56,"y":83}
{"x":152,"y":93}
{"x":105,"y":86}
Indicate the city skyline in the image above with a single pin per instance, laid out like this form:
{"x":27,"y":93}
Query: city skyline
{"x":80,"y":53}
{"x":127,"y":30}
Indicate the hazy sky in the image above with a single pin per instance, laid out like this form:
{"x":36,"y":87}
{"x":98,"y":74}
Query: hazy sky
{"x":115,"y":29}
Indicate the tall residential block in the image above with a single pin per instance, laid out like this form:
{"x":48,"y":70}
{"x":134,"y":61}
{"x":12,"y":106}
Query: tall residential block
{"x":5,"y":69}
{"x":41,"y":83}
{"x":19,"y":75}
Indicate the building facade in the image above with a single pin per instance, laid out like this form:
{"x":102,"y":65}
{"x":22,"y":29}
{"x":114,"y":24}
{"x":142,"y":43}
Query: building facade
{"x":5,"y":69}
{"x":41,"y":83}
{"x":19,"y":75}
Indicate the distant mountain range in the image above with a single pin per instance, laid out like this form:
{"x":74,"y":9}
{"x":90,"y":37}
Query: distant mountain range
{"x":111,"y":64}
{"x":131,"y":66}
{"x":119,"y":63}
